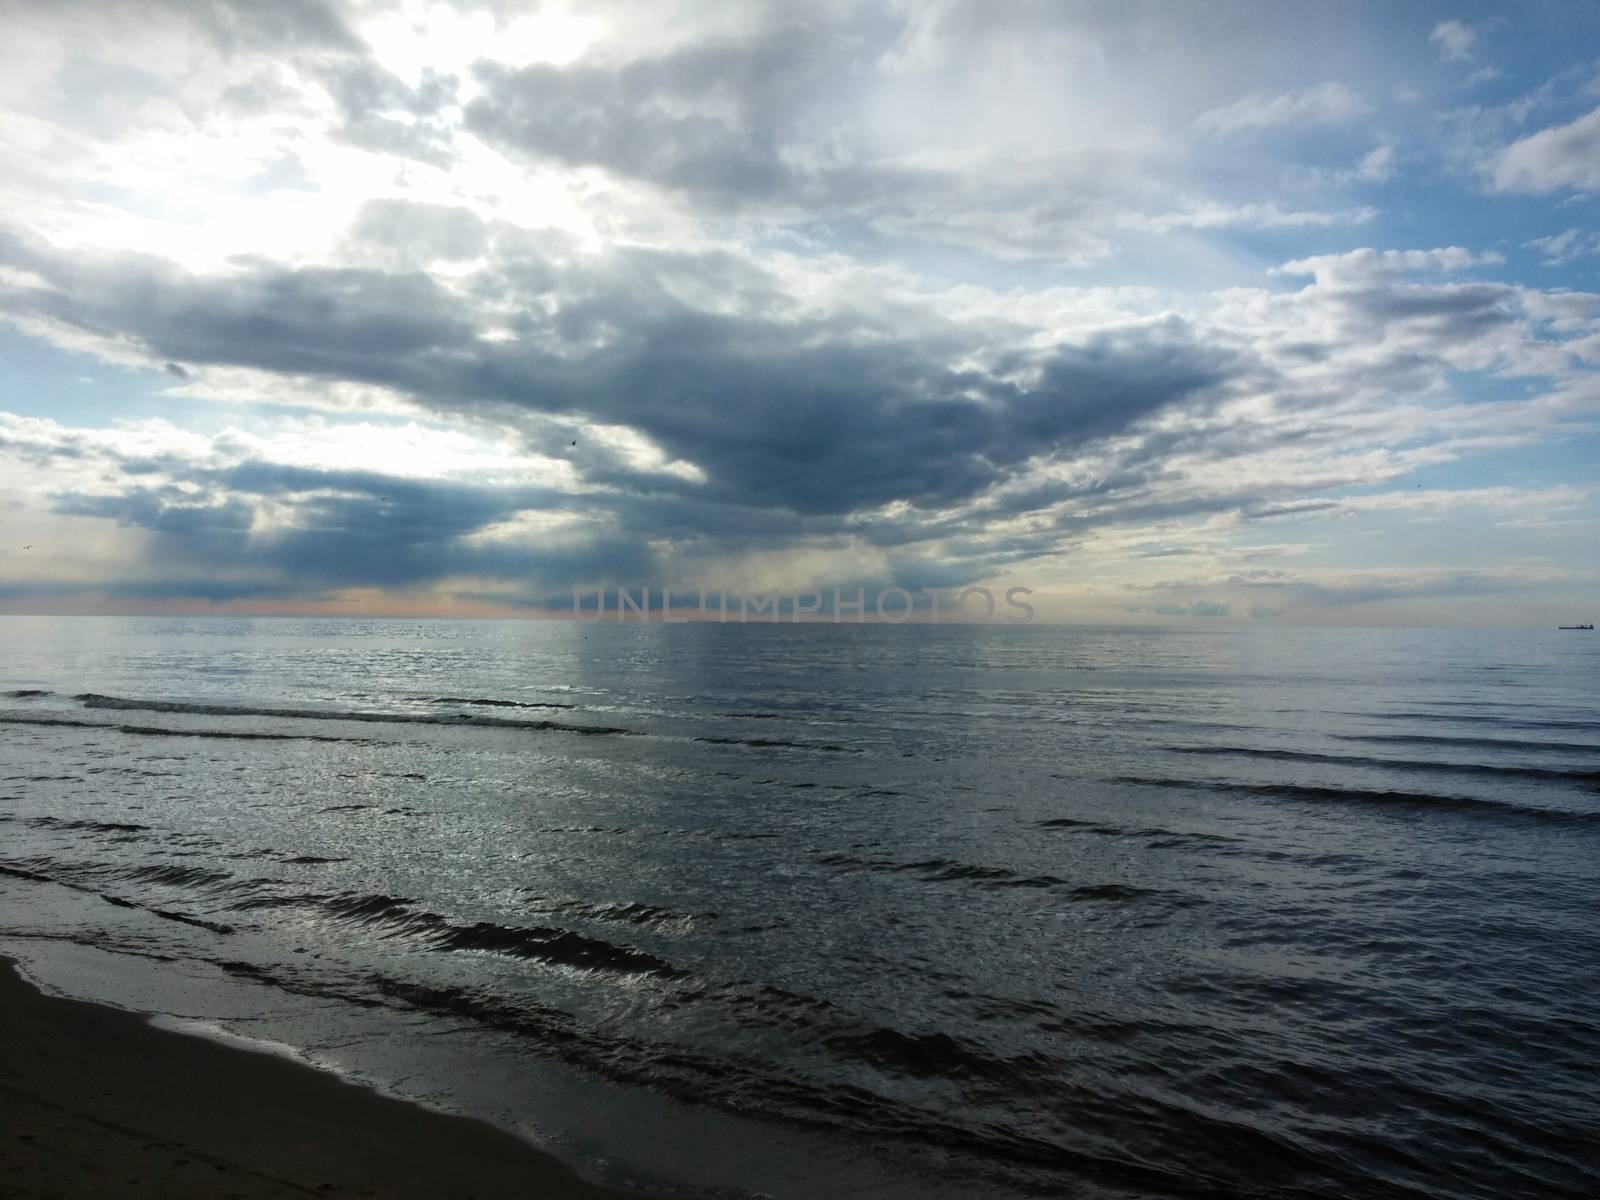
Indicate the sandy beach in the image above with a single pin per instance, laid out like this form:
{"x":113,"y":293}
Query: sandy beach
{"x":97,"y":1102}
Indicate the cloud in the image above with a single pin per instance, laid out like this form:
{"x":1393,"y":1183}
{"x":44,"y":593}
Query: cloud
{"x":955,"y":447}
{"x":750,"y":128}
{"x":1453,"y":40}
{"x":707,"y":118}
{"x":1325,"y":104}
{"x":348,"y":529}
{"x":409,"y":233}
{"x":1562,"y":156}
{"x":1378,"y":164}
{"x":1566,"y":247}
{"x":492,"y":300}
{"x":797,"y":413}
{"x":1370,"y":266}
{"x":1246,"y":216}
{"x":1197,"y":608}
{"x":315,"y":320}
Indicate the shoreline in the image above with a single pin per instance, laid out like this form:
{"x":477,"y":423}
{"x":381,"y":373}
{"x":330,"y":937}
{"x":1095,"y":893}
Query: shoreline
{"x":97,"y":1101}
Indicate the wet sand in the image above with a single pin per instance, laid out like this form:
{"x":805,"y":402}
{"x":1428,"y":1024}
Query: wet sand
{"x":97,"y":1102}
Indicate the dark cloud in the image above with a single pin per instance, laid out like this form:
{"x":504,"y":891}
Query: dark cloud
{"x":802,"y":428}
{"x":240,"y":26}
{"x":1298,"y":508}
{"x":711,"y":119}
{"x":810,"y":416}
{"x":350,"y":528}
{"x":1435,"y":314}
{"x":764,"y":124}
{"x":367,"y":95}
{"x":165,"y":510}
{"x":196,"y":586}
{"x":328,"y":322}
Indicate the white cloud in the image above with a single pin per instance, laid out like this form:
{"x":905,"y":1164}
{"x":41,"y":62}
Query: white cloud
{"x":1368,"y":265}
{"x":1377,"y":166}
{"x":1565,"y":247}
{"x":1325,"y":104}
{"x":1454,"y":40}
{"x":1246,"y":216}
{"x":1563,"y":156}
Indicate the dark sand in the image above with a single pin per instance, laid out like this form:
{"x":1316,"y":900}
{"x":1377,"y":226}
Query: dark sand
{"x":96,"y":1102}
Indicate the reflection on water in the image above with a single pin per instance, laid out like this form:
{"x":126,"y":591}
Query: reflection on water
{"x":1134,"y":912}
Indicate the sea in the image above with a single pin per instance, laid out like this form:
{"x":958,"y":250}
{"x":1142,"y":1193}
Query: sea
{"x":851,"y":910}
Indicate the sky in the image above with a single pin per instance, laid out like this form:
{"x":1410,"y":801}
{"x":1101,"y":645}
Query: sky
{"x":1198,"y":314}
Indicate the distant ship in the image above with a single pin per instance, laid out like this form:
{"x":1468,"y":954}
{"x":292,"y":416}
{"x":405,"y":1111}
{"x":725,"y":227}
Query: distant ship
{"x":1574,"y":626}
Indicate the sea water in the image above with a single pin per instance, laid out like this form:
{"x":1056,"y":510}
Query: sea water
{"x":815,"y":910}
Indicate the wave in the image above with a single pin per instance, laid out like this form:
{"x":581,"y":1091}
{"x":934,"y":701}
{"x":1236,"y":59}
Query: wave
{"x":1472,"y":719}
{"x":1162,"y":838}
{"x":163,"y":731}
{"x":562,"y":947}
{"x":90,"y":826}
{"x":632,"y":914}
{"x":90,"y":876}
{"x":768,"y":743}
{"x":491,"y":703}
{"x":392,"y":916}
{"x":924,"y":1055}
{"x":1424,"y":739}
{"x":1428,"y":802}
{"x":236,"y":735}
{"x":26,"y":694}
{"x":40,"y":868}
{"x":586,"y":829}
{"x":186,"y":919}
{"x":95,"y":700}
{"x":944,"y":870}
{"x":174,"y":876}
{"x":17,"y":871}
{"x":1561,"y":774}
{"x":1115,"y":891}
{"x":122,"y":703}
